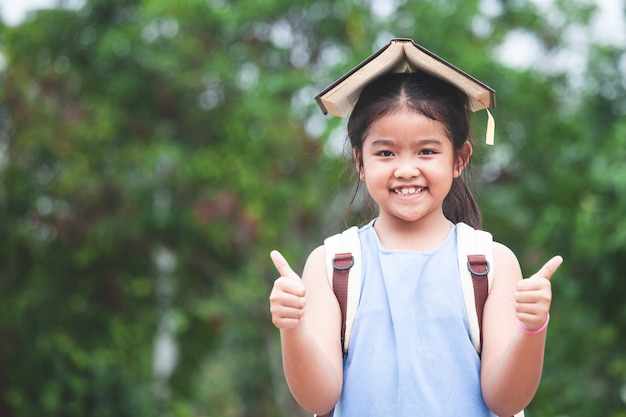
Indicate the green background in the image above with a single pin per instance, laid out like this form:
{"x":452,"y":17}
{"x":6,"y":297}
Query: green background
{"x":153,"y":152}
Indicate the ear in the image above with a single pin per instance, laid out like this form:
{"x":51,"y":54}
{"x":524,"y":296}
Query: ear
{"x":462,"y":158}
{"x":358,"y":163}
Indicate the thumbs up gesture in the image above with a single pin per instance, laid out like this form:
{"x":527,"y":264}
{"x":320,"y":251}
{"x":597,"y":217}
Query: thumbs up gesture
{"x":533,"y":296}
{"x":287,"y":298}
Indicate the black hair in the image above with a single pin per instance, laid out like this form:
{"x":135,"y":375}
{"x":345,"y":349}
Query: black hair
{"x":435,"y":99}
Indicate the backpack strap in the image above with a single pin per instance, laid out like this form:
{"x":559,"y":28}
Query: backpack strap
{"x":475,"y":256}
{"x":479,"y":268}
{"x":475,"y":253}
{"x":343,"y":268}
{"x":342,"y":262}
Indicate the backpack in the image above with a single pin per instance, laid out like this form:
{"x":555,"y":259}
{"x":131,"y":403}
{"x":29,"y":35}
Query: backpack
{"x":475,"y":257}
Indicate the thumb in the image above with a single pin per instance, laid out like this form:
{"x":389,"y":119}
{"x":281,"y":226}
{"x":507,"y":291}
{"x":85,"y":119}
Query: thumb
{"x":282,"y":266}
{"x":549,"y":267}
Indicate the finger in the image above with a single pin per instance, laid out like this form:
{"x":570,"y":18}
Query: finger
{"x":284,"y":289}
{"x":537,"y":282}
{"x":549,"y":267}
{"x":282,"y":266}
{"x":285,"y":312}
{"x":286,"y":323}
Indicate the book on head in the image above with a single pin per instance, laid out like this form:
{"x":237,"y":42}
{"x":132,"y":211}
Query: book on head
{"x":400,"y":55}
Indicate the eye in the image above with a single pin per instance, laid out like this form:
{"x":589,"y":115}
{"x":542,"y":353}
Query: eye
{"x":427,"y":152}
{"x":385,"y":154}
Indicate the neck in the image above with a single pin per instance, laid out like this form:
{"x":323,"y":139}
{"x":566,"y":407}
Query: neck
{"x":422,"y":236}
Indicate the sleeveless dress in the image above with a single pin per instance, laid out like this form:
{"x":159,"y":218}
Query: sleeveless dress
{"x":410,"y":350}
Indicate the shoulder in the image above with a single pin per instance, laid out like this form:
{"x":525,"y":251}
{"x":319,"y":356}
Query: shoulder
{"x":317,"y":256}
{"x":314,"y":274}
{"x":506,"y":264}
{"x":503,"y":254}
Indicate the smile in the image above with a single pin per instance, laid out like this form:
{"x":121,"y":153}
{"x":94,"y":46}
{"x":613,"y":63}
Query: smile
{"x":406,"y":191}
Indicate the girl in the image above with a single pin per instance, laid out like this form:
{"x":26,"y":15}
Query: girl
{"x":410,"y":352}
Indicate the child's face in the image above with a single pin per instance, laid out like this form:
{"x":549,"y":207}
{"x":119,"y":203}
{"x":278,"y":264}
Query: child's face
{"x":408,"y":165}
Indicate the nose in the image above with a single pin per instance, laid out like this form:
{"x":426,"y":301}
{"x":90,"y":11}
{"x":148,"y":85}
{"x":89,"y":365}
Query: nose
{"x":406,"y":168}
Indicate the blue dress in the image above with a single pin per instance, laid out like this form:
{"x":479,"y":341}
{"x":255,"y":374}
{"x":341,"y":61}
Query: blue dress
{"x":410,"y":350}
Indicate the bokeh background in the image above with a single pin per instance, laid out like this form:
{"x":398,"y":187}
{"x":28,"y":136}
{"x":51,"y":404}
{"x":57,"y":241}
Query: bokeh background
{"x":153,"y":152}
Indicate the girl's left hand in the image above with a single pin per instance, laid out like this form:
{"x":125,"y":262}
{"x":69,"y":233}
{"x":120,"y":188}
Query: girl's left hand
{"x":533,"y":296}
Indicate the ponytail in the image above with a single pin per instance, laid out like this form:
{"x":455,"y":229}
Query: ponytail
{"x":460,"y":205}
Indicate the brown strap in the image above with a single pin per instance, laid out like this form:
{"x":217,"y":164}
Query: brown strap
{"x":342,"y":262}
{"x":479,"y":268}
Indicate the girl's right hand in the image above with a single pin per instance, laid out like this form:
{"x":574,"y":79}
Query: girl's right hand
{"x":287,"y":299}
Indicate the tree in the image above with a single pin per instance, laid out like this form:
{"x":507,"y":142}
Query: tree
{"x":152,"y":153}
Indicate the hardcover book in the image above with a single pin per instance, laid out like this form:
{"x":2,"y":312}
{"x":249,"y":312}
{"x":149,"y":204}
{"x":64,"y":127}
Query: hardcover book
{"x":400,"y":55}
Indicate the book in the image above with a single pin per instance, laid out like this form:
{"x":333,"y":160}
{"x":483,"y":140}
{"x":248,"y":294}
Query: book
{"x":400,"y":55}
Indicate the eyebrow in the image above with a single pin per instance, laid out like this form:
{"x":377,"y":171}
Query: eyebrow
{"x":421,"y":142}
{"x":382,"y":142}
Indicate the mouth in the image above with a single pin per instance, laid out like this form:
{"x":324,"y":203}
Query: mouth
{"x":408,"y":191}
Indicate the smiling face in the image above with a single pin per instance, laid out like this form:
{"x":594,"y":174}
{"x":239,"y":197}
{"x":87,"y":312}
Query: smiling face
{"x":427,"y":103}
{"x":408,"y":164}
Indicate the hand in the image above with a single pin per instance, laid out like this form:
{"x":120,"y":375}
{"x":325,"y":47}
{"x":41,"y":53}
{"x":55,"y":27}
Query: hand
{"x":287,"y":299}
{"x":533,"y":296}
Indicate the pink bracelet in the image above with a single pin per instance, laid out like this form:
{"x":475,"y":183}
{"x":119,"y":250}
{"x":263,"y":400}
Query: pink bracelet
{"x":536,"y":331}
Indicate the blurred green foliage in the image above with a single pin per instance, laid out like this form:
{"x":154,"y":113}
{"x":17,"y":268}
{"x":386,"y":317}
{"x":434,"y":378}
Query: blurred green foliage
{"x":152,"y":153}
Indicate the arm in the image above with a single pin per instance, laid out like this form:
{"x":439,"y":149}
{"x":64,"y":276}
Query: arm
{"x":511,"y":360}
{"x":307,"y":313}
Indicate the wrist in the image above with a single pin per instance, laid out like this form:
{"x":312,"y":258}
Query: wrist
{"x":536,"y":331}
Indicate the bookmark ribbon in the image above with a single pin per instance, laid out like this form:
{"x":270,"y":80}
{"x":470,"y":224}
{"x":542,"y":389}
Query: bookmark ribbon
{"x":491,"y":129}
